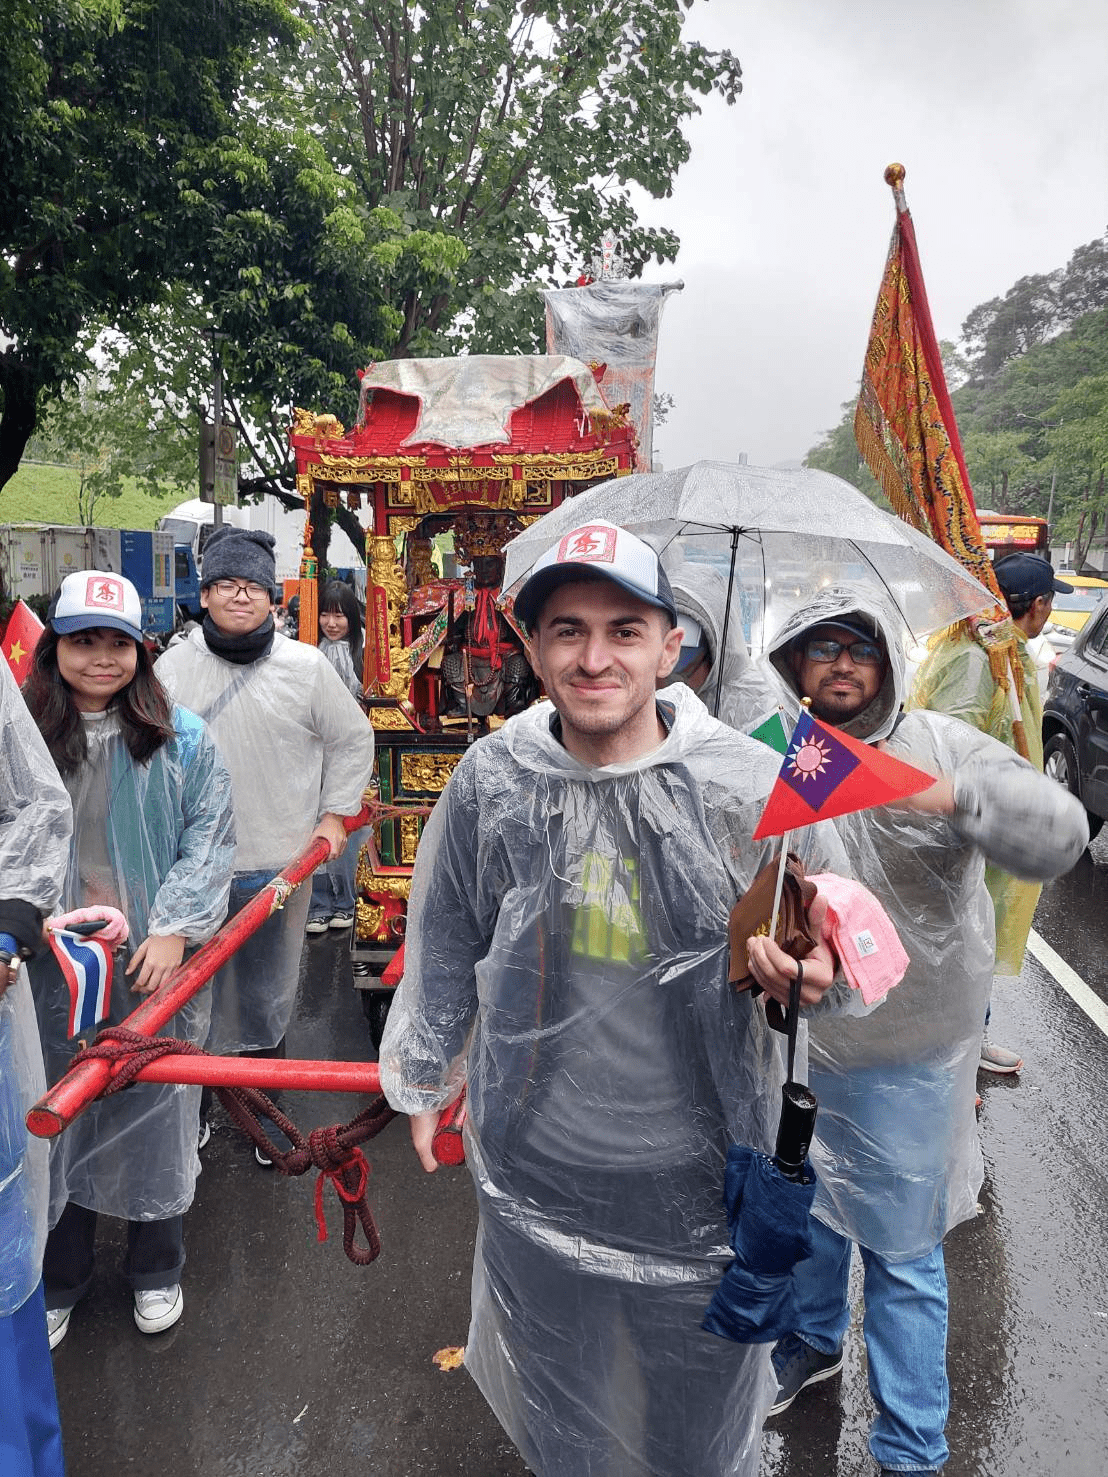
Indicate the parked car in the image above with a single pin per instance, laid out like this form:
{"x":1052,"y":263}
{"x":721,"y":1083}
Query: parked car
{"x":1075,"y":719}
{"x":1070,"y":612}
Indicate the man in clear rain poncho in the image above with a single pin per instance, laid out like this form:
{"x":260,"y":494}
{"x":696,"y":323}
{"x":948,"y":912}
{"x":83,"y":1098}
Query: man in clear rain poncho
{"x":956,"y":679}
{"x":567,"y":959}
{"x":35,"y":824}
{"x":896,"y":1147}
{"x":300,"y":753}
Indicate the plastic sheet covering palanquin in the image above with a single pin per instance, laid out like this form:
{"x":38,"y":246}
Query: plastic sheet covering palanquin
{"x":469,"y":400}
{"x":34,"y":840}
{"x":896,"y":1146}
{"x":955,"y":678}
{"x":297,"y":744}
{"x":567,"y":954}
{"x":155,"y":840}
{"x":616,"y":324}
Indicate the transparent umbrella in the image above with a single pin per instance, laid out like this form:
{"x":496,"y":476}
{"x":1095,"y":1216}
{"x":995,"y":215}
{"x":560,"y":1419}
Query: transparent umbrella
{"x":779,"y":535}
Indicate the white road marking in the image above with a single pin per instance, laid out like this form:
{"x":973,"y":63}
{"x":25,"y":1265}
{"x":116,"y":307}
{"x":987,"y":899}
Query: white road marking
{"x":1074,"y":986}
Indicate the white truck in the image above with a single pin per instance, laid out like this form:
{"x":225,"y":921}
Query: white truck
{"x":36,"y":557}
{"x":191,"y":522}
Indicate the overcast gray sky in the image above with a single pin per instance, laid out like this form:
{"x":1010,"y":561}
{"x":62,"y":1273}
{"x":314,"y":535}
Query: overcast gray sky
{"x":998,"y":109}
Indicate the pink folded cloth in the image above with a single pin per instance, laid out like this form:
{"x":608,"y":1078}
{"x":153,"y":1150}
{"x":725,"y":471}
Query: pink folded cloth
{"x":862,"y":935}
{"x":113,"y":933}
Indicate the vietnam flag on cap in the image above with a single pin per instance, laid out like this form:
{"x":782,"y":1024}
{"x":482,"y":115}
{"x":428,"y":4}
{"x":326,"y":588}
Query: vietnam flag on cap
{"x":20,"y":640}
{"x":827,"y":773}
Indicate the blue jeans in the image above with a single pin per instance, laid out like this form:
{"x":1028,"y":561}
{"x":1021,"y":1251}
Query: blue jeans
{"x":333,"y":882}
{"x":30,"y":1434}
{"x":905,"y":1330}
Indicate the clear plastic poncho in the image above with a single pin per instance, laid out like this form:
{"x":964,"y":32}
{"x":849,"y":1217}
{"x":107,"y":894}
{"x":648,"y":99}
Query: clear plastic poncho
{"x":955,"y":679}
{"x":297,"y":745}
{"x":700,"y":590}
{"x":896,"y":1148}
{"x":157,"y":841}
{"x":35,"y":823}
{"x":568,"y":928}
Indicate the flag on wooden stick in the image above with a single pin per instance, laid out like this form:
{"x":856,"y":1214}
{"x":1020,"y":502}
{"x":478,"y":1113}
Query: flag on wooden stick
{"x":827,"y":773}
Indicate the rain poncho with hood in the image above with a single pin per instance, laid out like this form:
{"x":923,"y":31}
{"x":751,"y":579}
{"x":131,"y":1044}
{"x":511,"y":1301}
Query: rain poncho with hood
{"x":956,"y":679}
{"x":297,"y":745}
{"x":700,"y":590}
{"x":157,"y":841}
{"x":896,"y":1148}
{"x":568,"y":930}
{"x":35,"y":822}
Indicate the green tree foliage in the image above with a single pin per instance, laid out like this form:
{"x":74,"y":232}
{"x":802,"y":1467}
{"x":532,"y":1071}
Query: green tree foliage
{"x":408,"y":183}
{"x":103,"y":430}
{"x":402,"y":179}
{"x":515,"y":126}
{"x":101,"y":102}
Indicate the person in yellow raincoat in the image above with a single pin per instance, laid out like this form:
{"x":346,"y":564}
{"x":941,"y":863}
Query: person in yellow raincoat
{"x":956,"y":679}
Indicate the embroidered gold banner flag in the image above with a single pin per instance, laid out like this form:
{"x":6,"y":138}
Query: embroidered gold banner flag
{"x":907,"y":434}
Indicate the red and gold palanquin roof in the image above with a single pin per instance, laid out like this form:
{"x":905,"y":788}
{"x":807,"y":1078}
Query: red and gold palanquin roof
{"x":547,"y":446}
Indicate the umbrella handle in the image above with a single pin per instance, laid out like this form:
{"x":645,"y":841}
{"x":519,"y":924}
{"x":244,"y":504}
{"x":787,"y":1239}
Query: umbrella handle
{"x":795,"y":1130}
{"x":792,"y":1019}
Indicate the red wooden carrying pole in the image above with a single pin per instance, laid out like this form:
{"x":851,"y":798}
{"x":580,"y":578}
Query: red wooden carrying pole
{"x":69,"y":1097}
{"x":263,"y":1073}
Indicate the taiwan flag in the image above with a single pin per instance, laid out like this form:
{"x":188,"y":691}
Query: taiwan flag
{"x":87,"y":969}
{"x":20,"y":639}
{"x":826,"y":773}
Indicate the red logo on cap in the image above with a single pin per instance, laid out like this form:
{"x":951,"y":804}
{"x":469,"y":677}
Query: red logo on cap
{"x":104,"y":593}
{"x":593,"y":544}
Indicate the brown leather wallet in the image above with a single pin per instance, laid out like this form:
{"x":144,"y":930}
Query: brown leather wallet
{"x":752,"y":913}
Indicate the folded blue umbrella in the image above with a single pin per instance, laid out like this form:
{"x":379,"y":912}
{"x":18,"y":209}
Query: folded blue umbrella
{"x":767,"y":1213}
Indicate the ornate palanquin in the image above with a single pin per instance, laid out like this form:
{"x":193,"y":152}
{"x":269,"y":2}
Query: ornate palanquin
{"x":537,"y":450}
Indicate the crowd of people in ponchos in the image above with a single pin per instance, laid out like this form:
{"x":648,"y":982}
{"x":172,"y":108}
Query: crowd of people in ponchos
{"x":567,"y":958}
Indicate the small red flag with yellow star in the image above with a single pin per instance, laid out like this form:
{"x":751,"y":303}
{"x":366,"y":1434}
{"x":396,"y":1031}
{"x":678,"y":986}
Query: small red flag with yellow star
{"x":827,"y":773}
{"x":20,"y":639}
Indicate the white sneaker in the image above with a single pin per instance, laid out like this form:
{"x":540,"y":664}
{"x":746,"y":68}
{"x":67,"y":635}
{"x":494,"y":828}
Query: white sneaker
{"x":341,"y":920}
{"x":998,"y":1059}
{"x":158,"y":1308}
{"x":57,"y":1325}
{"x":317,"y":925}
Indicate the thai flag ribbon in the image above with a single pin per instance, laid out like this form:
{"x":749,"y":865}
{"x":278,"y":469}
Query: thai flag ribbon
{"x":87,"y":969}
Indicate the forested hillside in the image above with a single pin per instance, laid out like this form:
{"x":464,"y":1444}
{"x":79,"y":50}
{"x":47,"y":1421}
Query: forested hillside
{"x":1029,"y":378}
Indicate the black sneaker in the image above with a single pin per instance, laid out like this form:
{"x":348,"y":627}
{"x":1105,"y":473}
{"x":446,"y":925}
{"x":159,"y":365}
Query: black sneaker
{"x":797,"y":1365}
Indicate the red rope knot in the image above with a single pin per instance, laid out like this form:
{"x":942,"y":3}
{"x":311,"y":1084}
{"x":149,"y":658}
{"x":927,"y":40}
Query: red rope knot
{"x":348,"y":1171}
{"x":332,"y":1150}
{"x":129,"y":1052}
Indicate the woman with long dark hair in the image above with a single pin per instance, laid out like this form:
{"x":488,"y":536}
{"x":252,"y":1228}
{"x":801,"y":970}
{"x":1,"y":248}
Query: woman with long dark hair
{"x":153,"y":836}
{"x":340,"y":641}
{"x":340,"y":633}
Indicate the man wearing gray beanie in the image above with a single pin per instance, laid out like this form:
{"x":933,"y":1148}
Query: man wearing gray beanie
{"x":300,"y":753}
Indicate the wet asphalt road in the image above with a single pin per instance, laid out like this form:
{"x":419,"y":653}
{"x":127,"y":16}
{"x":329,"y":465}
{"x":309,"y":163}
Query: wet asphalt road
{"x":291,"y":1362}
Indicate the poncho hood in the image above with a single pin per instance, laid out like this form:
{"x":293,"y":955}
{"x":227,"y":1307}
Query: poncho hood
{"x":838,"y":602}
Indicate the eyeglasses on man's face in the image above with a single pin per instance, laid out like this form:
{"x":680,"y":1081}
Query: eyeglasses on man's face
{"x":822,"y":650}
{"x":230,"y":589}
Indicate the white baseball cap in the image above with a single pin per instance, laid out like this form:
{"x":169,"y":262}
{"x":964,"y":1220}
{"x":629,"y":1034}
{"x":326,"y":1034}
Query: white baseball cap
{"x":597,"y":550}
{"x":90,"y":599}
